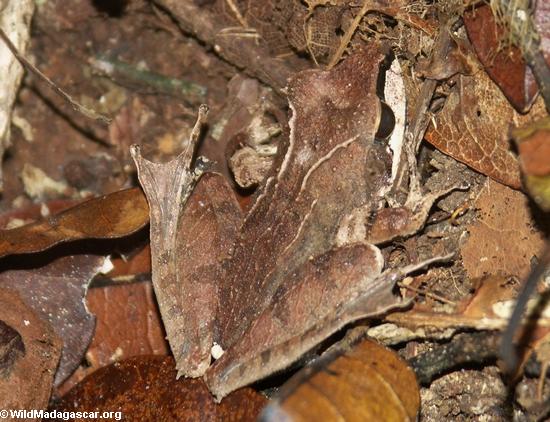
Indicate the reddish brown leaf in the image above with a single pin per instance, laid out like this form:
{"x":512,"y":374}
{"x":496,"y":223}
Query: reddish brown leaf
{"x":145,"y":389}
{"x":110,"y":216}
{"x":474,"y":127}
{"x":56,"y":293}
{"x":505,"y":65}
{"x":128,"y":324}
{"x":29,"y":353}
{"x":492,"y":289}
{"x":535,"y":152}
{"x":368,"y":383}
{"x":138,"y":263}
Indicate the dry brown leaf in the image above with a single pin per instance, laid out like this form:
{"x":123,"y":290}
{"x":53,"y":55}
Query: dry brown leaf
{"x":474,"y":126}
{"x":369,"y":383}
{"x":505,"y":65}
{"x":145,"y":388}
{"x":115,"y":215}
{"x":505,"y":238}
{"x":29,"y":353}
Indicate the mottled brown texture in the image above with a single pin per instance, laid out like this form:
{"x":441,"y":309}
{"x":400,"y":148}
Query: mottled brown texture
{"x":504,"y":239}
{"x":11,"y":348}
{"x":145,"y":388}
{"x":367,"y":383}
{"x":322,"y":176}
{"x":209,"y":228}
{"x":533,"y":142}
{"x":28,"y":382}
{"x":535,"y":152}
{"x":115,"y":215}
{"x":291,"y":278}
{"x":128,"y":323}
{"x":319,"y":298}
{"x":56,"y":293}
{"x":247,"y":53}
{"x":189,"y":239}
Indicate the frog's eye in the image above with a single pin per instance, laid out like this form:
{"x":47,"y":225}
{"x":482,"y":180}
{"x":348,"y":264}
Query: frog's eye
{"x":387,"y":122}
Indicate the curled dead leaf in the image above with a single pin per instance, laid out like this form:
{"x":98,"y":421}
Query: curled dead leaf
{"x":368,"y":383}
{"x":505,"y":65}
{"x":127,"y":324}
{"x":110,"y":216}
{"x":473,"y":127}
{"x":56,"y":293}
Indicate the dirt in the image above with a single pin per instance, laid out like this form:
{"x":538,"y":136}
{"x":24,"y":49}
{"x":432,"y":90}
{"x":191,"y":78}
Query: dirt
{"x":154,"y":58}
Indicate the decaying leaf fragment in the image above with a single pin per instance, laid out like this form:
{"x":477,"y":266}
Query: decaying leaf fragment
{"x":534,"y":151}
{"x":505,"y":66}
{"x":367,"y":383}
{"x":505,"y":238}
{"x":115,"y":215}
{"x":127,"y":324}
{"x":29,"y":353}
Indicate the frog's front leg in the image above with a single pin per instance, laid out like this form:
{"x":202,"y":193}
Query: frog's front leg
{"x":386,"y":224}
{"x":192,"y":230}
{"x":304,"y":311}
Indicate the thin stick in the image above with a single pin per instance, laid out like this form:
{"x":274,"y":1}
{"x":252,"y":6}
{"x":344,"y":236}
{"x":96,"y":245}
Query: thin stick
{"x":349,"y":34}
{"x":34,"y":70}
{"x":237,"y":13}
{"x":508,"y":350}
{"x":425,"y":293}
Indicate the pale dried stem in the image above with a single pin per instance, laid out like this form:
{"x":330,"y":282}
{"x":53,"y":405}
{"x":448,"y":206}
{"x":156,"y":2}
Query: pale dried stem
{"x":420,"y":119}
{"x":237,"y":13}
{"x":92,"y":114}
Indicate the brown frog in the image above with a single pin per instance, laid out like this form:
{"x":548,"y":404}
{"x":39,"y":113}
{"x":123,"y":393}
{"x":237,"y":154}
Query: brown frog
{"x":260,"y":291}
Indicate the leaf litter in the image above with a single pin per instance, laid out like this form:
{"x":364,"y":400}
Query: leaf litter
{"x":90,"y":52}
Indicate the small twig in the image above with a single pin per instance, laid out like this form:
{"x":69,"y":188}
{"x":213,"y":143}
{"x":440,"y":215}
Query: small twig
{"x":126,"y":74}
{"x":427,"y":294}
{"x":542,"y":379}
{"x":349,"y":34}
{"x":467,"y":348}
{"x":34,"y":70}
